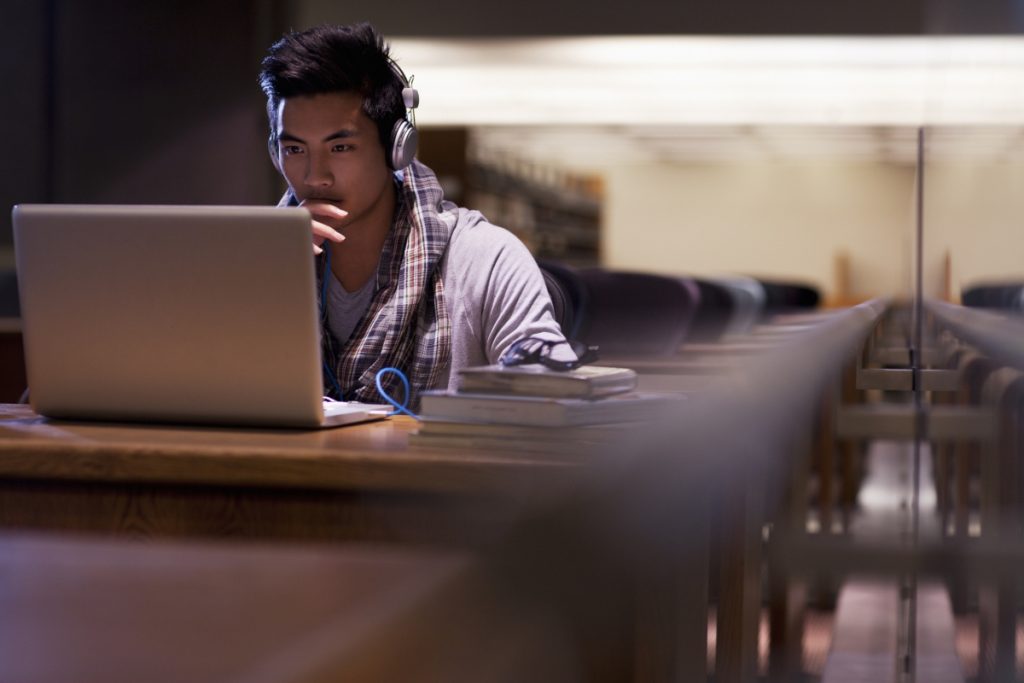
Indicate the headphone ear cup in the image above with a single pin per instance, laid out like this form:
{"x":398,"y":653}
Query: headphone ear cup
{"x":404,"y":138}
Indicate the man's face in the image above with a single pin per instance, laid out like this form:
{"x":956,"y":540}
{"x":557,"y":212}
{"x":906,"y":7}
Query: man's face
{"x":329,"y":150}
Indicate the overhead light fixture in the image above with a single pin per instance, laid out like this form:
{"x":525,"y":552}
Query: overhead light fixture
{"x":678,"y":80}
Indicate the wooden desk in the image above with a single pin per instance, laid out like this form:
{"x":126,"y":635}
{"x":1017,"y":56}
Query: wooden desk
{"x":352,"y":484}
{"x":360,"y":482}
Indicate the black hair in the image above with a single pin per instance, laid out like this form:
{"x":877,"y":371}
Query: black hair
{"x":327,"y":59}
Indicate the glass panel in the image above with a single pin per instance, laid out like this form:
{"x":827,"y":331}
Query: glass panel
{"x":973,"y":208}
{"x":972,"y":276}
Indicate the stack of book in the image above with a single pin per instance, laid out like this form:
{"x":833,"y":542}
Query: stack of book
{"x":516,"y":438}
{"x":531,"y":408}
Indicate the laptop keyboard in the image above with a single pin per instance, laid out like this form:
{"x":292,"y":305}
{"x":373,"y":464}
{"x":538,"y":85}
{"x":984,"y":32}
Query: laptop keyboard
{"x":344,"y":407}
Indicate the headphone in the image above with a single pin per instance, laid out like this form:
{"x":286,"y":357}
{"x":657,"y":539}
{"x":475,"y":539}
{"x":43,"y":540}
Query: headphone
{"x":404,"y":137}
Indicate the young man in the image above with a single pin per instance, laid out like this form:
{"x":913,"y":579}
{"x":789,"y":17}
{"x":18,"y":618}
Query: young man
{"x":406,"y":279}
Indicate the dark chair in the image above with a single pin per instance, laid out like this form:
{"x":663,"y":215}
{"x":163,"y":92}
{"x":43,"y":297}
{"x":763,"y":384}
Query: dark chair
{"x":781,"y":296}
{"x":9,"y":306}
{"x":1004,"y":296}
{"x":748,"y":302}
{"x":713,"y":312}
{"x":636,"y":314}
{"x":568,"y":295}
{"x":12,"y":356}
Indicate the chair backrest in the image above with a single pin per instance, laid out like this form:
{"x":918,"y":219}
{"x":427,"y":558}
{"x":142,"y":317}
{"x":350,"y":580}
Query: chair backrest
{"x":748,"y":302}
{"x":786,"y":296}
{"x":9,"y":305}
{"x":713,"y":312}
{"x":568,"y":295}
{"x":636,"y":314}
{"x":1006,"y":296}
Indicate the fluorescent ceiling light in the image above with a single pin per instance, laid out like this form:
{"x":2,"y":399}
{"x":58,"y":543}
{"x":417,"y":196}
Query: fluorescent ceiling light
{"x":669,"y":80}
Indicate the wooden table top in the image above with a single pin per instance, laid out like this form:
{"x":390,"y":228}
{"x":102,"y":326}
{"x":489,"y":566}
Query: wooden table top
{"x":371,"y":456}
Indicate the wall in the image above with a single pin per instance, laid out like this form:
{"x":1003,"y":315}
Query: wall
{"x":149,"y":102}
{"x":785,"y":219}
{"x":24,"y":164}
{"x":974,"y":212}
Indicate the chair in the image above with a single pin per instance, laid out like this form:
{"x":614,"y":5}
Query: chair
{"x":9,"y":307}
{"x":636,"y":314}
{"x":568,"y":295}
{"x":1006,"y":296}
{"x":748,"y":302}
{"x":713,"y":312}
{"x":783,"y":296}
{"x":12,"y":356}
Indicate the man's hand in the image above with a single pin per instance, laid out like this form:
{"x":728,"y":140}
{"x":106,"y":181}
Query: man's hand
{"x":325,"y":216}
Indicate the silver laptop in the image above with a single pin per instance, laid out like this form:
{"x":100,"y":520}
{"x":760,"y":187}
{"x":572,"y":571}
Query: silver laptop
{"x":187,"y":314}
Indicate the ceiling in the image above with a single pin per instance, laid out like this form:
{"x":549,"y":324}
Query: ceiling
{"x":675,"y":80}
{"x":537,"y":18}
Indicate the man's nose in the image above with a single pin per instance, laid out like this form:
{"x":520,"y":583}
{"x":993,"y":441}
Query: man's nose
{"x":319,"y":172}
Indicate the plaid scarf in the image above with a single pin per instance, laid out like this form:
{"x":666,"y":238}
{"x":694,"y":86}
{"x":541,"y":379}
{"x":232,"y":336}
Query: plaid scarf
{"x":407,"y":324}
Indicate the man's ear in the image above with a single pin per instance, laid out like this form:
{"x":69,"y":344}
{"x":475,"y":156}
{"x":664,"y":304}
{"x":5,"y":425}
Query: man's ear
{"x":274,"y":158}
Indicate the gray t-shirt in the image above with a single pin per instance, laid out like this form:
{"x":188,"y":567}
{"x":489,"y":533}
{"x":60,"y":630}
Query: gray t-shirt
{"x":493,"y":290}
{"x":344,"y":308}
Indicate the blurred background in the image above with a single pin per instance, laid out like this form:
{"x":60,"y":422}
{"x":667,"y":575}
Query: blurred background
{"x":698,"y":137}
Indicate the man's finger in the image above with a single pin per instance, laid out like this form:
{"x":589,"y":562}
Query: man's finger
{"x":324,"y":231}
{"x":320,"y":207}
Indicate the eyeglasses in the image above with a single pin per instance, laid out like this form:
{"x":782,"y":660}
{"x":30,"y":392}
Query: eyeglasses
{"x":547,"y":352}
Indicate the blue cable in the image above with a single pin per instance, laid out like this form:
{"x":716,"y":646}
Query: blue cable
{"x":402,"y":407}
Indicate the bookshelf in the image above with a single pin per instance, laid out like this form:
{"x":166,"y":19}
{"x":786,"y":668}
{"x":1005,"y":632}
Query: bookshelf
{"x":554,"y":211}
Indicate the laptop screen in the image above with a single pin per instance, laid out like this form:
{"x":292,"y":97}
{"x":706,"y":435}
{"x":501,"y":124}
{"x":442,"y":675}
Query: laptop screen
{"x":169,"y":313}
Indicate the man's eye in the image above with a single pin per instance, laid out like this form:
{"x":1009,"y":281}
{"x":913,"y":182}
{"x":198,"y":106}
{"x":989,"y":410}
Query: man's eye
{"x":291,"y":149}
{"x":342,"y":148}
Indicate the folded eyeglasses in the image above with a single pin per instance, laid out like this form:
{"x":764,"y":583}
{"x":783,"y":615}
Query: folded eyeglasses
{"x":546,"y":352}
